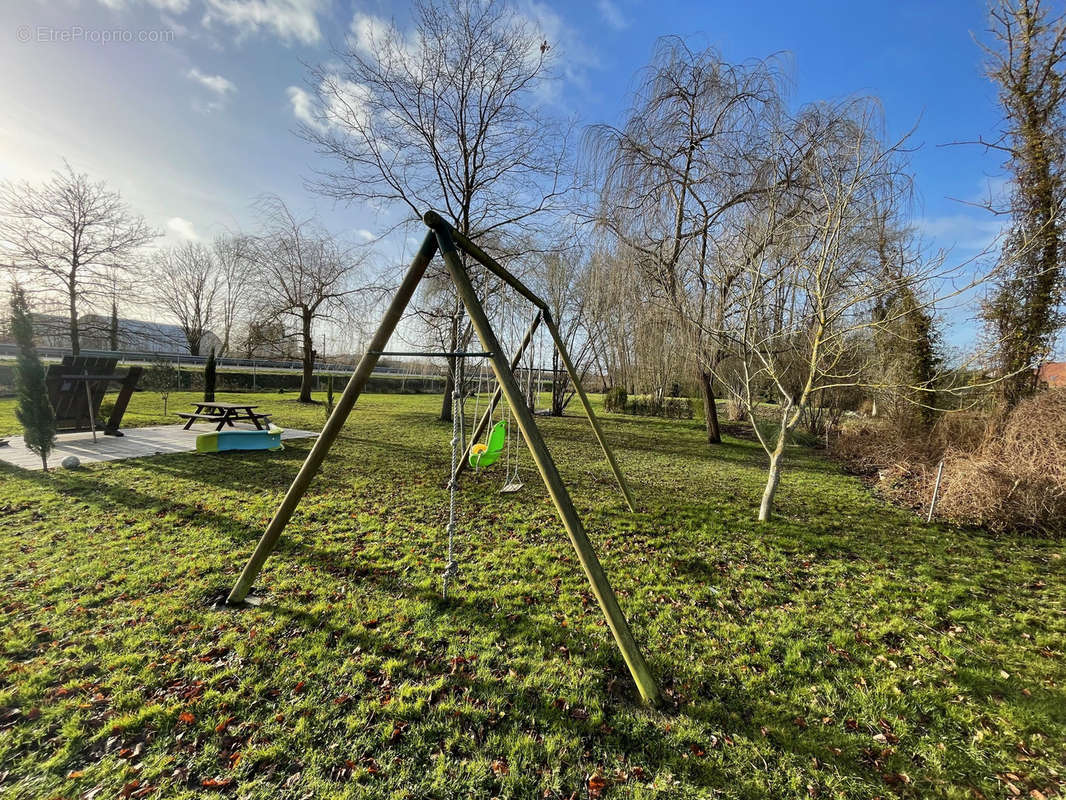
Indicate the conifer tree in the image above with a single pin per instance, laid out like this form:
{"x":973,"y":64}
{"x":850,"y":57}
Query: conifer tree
{"x":209,"y":377}
{"x":33,"y":409}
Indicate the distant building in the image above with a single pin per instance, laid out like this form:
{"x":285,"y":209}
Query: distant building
{"x":51,"y":330}
{"x":140,"y":336}
{"x":134,"y":335}
{"x":1053,"y":375}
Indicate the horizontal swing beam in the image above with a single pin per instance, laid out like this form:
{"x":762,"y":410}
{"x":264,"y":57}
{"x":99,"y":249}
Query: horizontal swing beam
{"x":417,"y":353}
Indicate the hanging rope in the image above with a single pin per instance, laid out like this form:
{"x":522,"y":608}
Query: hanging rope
{"x":451,"y":568}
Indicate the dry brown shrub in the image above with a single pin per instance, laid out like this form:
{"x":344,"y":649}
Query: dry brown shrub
{"x":1009,"y":476}
{"x":1016,"y":478}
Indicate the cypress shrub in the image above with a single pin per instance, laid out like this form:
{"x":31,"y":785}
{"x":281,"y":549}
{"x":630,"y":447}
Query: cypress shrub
{"x":209,"y":377}
{"x":33,"y":409}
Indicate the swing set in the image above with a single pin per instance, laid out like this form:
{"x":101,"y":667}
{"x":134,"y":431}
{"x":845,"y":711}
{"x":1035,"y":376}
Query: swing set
{"x":444,"y":238}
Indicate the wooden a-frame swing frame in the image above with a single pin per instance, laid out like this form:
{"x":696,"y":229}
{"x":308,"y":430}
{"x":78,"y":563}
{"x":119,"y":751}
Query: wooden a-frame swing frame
{"x":443,"y":237}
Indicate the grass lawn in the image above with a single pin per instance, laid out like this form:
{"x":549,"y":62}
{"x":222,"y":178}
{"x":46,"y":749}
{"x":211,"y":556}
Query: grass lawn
{"x":844,"y":650}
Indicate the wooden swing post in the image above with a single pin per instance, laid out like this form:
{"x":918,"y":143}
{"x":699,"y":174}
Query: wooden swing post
{"x":433,"y":220}
{"x":440,"y":238}
{"x":336,"y":421}
{"x":601,"y":588}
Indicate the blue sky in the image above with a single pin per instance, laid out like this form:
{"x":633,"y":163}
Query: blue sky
{"x":195,"y":121}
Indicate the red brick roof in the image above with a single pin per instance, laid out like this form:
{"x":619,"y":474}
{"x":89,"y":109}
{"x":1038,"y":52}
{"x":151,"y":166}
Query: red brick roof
{"x":1053,"y":374}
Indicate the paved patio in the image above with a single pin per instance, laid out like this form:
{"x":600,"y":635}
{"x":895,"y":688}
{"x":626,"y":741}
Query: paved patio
{"x":137,"y":443}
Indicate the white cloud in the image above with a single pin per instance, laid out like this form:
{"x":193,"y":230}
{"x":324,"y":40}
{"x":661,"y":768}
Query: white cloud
{"x":173,"y":6}
{"x":968,"y":233}
{"x":348,"y":104}
{"x":365,"y":30}
{"x":215,"y":83}
{"x":303,"y":106}
{"x":290,"y":20}
{"x":612,"y":14}
{"x":182,"y":229}
{"x":366,"y":235}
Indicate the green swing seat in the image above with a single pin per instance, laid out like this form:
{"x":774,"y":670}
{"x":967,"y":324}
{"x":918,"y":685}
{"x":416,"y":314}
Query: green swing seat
{"x":482,"y":455}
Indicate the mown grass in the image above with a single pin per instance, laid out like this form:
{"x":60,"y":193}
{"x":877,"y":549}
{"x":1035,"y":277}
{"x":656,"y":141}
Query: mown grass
{"x":843,"y":650}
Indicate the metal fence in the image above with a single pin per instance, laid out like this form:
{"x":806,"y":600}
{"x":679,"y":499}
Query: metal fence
{"x":227,"y":362}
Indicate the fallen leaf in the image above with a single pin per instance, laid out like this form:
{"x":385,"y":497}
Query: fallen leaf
{"x":597,"y":784}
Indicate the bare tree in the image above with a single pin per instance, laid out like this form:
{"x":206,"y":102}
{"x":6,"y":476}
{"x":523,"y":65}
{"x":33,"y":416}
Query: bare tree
{"x":812,"y":273}
{"x":70,"y":237}
{"x":231,"y":255}
{"x":691,"y":154}
{"x":310,"y":276}
{"x":562,"y":278}
{"x":187,"y":285}
{"x":445,"y":116}
{"x":1025,"y":311}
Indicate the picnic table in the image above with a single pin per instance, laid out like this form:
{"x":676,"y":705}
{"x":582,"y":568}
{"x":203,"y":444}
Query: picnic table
{"x":224,"y":414}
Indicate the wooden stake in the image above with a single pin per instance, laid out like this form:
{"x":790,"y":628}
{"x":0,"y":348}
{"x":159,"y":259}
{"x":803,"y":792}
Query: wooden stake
{"x":936,"y":491}
{"x":601,"y":588}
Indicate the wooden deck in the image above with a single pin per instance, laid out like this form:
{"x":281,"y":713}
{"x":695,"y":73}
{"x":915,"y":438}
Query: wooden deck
{"x":137,"y":443}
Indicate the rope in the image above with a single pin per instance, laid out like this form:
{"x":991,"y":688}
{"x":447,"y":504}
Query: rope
{"x":451,"y":568}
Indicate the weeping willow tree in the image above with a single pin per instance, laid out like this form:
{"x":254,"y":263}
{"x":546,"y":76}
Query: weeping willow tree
{"x":690,"y":156}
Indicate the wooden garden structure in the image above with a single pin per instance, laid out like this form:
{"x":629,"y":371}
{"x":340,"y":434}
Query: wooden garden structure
{"x":444,"y":238}
{"x":76,"y":388}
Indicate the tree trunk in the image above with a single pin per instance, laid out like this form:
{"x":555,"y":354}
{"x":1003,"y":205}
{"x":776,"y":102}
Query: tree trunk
{"x":710,"y":408}
{"x":75,"y":338}
{"x":449,"y":379}
{"x":773,"y":478}
{"x":308,"y":360}
{"x":559,"y":380}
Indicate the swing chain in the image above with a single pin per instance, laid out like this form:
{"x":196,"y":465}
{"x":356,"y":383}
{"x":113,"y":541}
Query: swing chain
{"x":451,"y":569}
